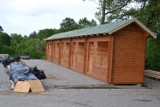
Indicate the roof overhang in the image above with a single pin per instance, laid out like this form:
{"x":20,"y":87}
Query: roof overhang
{"x":138,"y":23}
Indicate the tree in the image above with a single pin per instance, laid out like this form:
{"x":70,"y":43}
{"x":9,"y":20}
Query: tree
{"x":68,"y":24}
{"x":16,"y":39}
{"x":42,"y":34}
{"x":103,"y":11}
{"x":153,"y":54}
{"x":84,"y":22}
{"x":31,"y":46}
{"x":5,"y":39}
{"x":33,"y":35}
{"x":1,"y":29}
{"x":109,"y":7}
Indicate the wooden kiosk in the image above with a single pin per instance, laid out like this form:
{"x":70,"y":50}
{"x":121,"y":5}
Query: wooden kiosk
{"x":114,"y":52}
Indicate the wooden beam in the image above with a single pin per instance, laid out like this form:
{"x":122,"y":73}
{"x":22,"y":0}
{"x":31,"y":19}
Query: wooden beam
{"x":143,"y":56}
{"x":46,"y":50}
{"x":86,"y":56}
{"x":60,"y":51}
{"x":152,"y":74}
{"x":99,"y":38}
{"x":70,"y":52}
{"x":53,"y":50}
{"x":110,"y":59}
{"x":79,"y":40}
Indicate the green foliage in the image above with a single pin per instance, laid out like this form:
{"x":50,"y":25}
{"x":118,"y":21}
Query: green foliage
{"x":4,"y":39}
{"x":42,"y":34}
{"x":68,"y":24}
{"x":84,"y":22}
{"x":33,"y":35}
{"x":153,"y":54}
{"x":1,"y":29}
{"x":7,"y":50}
{"x":32,"y":47}
{"x":34,"y":44}
{"x":16,"y":39}
{"x":110,"y":8}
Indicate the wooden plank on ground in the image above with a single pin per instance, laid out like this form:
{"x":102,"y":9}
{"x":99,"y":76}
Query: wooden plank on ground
{"x":22,"y":86}
{"x":153,"y":74}
{"x":29,"y":85}
{"x":4,"y":55}
{"x":36,"y":86}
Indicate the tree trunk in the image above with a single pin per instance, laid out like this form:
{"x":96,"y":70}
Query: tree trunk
{"x":103,"y":12}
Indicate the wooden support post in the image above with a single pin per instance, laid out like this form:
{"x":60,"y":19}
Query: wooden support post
{"x":143,"y":54}
{"x":110,"y":59}
{"x":95,"y":54}
{"x":53,"y":51}
{"x":60,"y":52}
{"x":70,"y":52}
{"x":86,"y":55}
{"x":46,"y":50}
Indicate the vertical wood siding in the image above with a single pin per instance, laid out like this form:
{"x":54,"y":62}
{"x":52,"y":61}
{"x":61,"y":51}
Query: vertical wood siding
{"x":116,"y":58}
{"x":128,"y":60}
{"x":65,"y":53}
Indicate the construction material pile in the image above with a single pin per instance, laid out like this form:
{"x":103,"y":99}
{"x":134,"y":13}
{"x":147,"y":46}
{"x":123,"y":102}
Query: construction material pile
{"x":17,"y":71}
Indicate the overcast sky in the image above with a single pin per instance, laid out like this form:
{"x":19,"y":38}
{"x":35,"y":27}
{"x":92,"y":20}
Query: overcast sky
{"x":25,"y":16}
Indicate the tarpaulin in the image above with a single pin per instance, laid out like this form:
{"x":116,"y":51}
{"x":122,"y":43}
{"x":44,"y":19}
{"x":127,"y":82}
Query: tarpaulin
{"x":19,"y":72}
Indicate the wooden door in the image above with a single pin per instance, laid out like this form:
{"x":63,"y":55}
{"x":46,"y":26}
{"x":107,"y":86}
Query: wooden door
{"x":73,"y":63}
{"x":101,"y":63}
{"x":90,"y":57}
{"x":57,"y":51}
{"x":65,"y":54}
{"x":97,"y":63}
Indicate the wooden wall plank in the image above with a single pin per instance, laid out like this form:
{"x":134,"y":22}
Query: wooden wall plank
{"x":60,"y":51}
{"x":146,"y":35}
{"x":86,"y":55}
{"x":99,"y":38}
{"x":110,"y":58}
{"x":46,"y":53}
{"x":71,"y":54}
{"x":128,"y":56}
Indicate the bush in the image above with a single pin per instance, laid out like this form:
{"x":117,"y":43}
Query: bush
{"x":7,"y":50}
{"x":153,"y":54}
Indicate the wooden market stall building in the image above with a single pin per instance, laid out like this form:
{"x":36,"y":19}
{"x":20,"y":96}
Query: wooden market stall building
{"x":114,"y":52}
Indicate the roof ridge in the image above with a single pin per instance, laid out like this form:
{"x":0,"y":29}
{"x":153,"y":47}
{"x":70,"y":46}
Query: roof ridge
{"x":100,"y":29}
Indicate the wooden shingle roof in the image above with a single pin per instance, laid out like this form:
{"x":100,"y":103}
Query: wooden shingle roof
{"x":108,"y":28}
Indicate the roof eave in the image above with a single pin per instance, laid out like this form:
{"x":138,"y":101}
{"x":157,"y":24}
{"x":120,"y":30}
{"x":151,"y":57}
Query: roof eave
{"x":137,"y":22}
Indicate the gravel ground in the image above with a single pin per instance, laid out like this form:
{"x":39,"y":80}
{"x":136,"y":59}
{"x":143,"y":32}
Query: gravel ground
{"x":74,"y":96}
